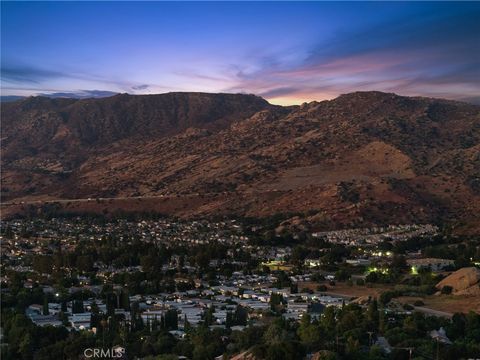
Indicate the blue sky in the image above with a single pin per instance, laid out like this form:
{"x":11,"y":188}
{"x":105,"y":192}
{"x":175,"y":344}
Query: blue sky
{"x":287,"y":52}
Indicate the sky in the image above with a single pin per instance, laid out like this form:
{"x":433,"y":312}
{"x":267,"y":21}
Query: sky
{"x":286,"y":52}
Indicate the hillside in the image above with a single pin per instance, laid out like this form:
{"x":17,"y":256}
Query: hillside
{"x":363,"y":158}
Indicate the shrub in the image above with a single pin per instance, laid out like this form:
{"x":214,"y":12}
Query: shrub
{"x":322,"y":288}
{"x":318,"y":277}
{"x":447,"y":289}
{"x":386,"y":296}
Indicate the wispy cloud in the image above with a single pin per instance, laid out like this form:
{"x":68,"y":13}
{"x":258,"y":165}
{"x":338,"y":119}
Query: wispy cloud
{"x":426,"y":55}
{"x":427,"y":50}
{"x":28,"y":74}
{"x":38,"y":80}
{"x":81,"y":94}
{"x":140,"y":87}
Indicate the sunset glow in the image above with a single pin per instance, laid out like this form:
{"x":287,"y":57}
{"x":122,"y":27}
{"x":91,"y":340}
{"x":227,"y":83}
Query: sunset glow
{"x":286,"y":52}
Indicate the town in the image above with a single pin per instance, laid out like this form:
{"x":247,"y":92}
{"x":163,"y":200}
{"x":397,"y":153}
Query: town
{"x":154,"y":286}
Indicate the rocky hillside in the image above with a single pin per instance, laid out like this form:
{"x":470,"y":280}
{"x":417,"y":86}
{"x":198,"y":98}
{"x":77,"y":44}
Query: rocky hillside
{"x":362,"y":158}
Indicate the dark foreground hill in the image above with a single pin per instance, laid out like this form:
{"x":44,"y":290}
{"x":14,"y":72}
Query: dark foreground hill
{"x":363,"y":158}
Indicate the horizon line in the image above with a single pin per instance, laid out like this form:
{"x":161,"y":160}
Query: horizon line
{"x":78,"y":96}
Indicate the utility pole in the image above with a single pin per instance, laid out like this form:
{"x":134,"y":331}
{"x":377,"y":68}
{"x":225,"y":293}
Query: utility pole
{"x":409,"y":349}
{"x":370,"y":333}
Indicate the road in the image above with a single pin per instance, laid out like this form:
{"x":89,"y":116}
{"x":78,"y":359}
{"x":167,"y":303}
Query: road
{"x":64,"y":201}
{"x":432,"y":312}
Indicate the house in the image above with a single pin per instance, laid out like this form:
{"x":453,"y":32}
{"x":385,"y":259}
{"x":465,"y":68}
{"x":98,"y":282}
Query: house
{"x":301,"y":307}
{"x":237,"y":328}
{"x":313,"y":262}
{"x":152,"y":315}
{"x":179,"y":334}
{"x":45,"y":320}
{"x":433,"y":264}
{"x":316,"y":310}
{"x":358,"y":262}
{"x":34,"y":309}
{"x":80,"y":321}
{"x":440,"y":335}
{"x":382,"y":342}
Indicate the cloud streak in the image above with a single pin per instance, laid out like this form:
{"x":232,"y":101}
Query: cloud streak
{"x":418,"y":49}
{"x":428,"y":55}
{"x":28,"y":74}
{"x":81,"y":94}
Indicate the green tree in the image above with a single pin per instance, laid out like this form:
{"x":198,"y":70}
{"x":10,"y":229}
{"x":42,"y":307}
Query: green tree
{"x":352,"y":348}
{"x":26,"y":346}
{"x":310,"y":334}
{"x":171,"y":319}
{"x":328,"y":321}
{"x":240,"y":316}
{"x":45,"y":305}
{"x":398,"y":264}
{"x":373,"y":315}
{"x":276,"y":333}
{"x":125,"y":300}
{"x":77,"y":307}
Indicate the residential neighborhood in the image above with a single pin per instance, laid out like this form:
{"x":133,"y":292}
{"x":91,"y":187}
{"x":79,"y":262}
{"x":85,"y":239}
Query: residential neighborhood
{"x":125,"y":276}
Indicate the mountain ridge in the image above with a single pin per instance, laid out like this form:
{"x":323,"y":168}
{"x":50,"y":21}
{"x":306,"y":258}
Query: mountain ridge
{"x":362,"y":158}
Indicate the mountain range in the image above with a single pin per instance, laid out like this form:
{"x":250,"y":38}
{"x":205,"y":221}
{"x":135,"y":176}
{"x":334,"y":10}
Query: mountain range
{"x":362,"y":159}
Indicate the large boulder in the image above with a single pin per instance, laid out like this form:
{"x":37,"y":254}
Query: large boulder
{"x":461,"y":280}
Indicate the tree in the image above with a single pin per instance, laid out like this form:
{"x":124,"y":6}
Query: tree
{"x":43,"y":264}
{"x":171,"y":319}
{"x":328,"y":320}
{"x":45,"y":305}
{"x":299,"y":253}
{"x":77,"y":307}
{"x":275,"y":301}
{"x":294,"y":288}
{"x":124,"y":300}
{"x":186,"y":324}
{"x":202,"y":259}
{"x":240,"y":316}
{"x":63,"y":317}
{"x":386,"y":296}
{"x":229,"y":320}
{"x":349,"y":320}
{"x":352,"y":348}
{"x":382,"y":321}
{"x":26,"y":346}
{"x":327,"y":355}
{"x":462,"y":261}
{"x":398,"y":264}
{"x":472,"y":326}
{"x":111,"y":303}
{"x":310,"y":334}
{"x":288,"y":350}
{"x":84,"y":263}
{"x":95,"y":317}
{"x":276,"y":333}
{"x":447,"y":290}
{"x":373,"y":315}
{"x":208,"y":317}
